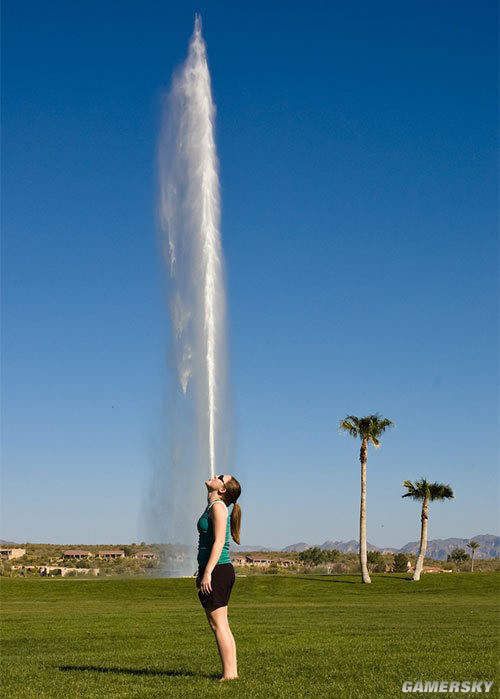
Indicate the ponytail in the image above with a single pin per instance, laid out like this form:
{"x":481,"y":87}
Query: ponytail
{"x":233,"y":492}
{"x":236,"y":522}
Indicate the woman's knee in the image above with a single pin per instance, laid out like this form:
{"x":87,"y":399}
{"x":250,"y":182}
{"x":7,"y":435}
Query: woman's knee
{"x":212,"y":623}
{"x":217,"y":619}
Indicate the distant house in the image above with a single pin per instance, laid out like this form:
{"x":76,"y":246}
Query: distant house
{"x":111,"y":554}
{"x":257,"y":561}
{"x":10,"y":553}
{"x":262,"y":561}
{"x":239,"y":560}
{"x":146,"y":555}
{"x":77,"y":553}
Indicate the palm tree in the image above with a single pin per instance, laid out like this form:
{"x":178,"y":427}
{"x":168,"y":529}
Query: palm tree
{"x":473,"y":546}
{"x":367,"y":429}
{"x":425,"y":492}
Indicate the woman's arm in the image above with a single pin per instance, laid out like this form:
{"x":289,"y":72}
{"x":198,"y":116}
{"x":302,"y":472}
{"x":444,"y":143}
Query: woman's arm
{"x":219,"y":520}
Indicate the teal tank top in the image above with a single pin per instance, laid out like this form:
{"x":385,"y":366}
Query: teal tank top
{"x":206,"y":539}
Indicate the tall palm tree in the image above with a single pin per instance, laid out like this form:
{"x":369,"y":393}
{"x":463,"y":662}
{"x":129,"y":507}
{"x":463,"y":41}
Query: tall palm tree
{"x":367,"y":429}
{"x":473,"y":546}
{"x":425,"y":492}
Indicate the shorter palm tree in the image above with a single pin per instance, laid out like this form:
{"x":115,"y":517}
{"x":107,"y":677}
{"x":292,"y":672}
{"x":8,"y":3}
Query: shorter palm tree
{"x":425,"y":492}
{"x":473,"y":546}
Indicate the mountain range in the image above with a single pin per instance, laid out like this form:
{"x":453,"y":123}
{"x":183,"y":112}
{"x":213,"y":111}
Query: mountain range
{"x":436,"y":548}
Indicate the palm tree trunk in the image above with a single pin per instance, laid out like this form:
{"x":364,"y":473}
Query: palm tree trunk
{"x":423,"y":539}
{"x":363,"y":457}
{"x":472,"y":561}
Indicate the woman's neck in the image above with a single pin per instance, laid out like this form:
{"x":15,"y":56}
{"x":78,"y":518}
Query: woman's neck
{"x":213,"y":496}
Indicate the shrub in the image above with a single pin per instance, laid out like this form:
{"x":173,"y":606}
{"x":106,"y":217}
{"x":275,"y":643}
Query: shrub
{"x":376,"y":563}
{"x":331,"y":555}
{"x":458,"y":556}
{"x":400,"y":563}
{"x":313,"y":556}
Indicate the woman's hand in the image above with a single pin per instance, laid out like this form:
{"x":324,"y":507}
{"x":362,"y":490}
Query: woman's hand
{"x":206,"y":583}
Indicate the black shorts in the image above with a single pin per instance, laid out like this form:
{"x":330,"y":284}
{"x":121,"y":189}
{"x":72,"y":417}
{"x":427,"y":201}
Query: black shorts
{"x":222,"y":583}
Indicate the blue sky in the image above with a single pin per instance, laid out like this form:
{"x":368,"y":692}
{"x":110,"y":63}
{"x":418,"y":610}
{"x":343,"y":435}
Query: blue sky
{"x":357,"y":144}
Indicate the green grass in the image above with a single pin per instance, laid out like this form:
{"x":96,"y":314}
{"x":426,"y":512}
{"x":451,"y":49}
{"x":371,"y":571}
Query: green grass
{"x":296,"y":636}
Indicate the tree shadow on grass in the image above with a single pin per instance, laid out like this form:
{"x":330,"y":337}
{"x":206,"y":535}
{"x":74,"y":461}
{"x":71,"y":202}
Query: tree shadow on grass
{"x":346,"y":582}
{"x":403,"y":578}
{"x":149,"y":671}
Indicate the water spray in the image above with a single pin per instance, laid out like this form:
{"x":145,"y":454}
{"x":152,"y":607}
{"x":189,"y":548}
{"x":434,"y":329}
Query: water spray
{"x":190,"y":221}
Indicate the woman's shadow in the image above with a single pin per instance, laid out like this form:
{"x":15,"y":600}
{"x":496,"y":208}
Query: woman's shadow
{"x":150,"y":671}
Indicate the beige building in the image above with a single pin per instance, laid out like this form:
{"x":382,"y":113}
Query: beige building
{"x":111,"y":554}
{"x":260,"y":562}
{"x":10,"y":553}
{"x":146,"y":555}
{"x":77,"y":553}
{"x":239,"y":560}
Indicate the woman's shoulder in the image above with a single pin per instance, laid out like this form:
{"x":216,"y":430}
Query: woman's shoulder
{"x":223,"y":509}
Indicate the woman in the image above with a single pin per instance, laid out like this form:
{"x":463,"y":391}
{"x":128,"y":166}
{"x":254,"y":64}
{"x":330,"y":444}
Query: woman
{"x":215,"y":577}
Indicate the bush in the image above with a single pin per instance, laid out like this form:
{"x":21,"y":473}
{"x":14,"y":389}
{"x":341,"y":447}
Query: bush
{"x":375,"y":561}
{"x":400,"y":563}
{"x":458,"y":556}
{"x":313,"y":556}
{"x":331,"y":555}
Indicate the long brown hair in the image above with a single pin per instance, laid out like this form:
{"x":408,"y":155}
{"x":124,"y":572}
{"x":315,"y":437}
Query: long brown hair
{"x":233,"y":492}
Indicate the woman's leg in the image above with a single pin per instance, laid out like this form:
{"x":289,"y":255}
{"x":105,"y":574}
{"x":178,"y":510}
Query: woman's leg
{"x":225,"y":642}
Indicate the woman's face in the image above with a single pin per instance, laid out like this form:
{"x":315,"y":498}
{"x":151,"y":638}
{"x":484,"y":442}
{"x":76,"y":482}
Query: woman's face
{"x":217,"y":482}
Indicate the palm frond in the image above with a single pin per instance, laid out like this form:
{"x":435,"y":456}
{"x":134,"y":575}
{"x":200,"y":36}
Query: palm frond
{"x":412,"y":491}
{"x":375,"y":425}
{"x":440,"y":491}
{"x":473,"y":545}
{"x":350,"y":424}
{"x":370,"y":427}
{"x":424,"y":489}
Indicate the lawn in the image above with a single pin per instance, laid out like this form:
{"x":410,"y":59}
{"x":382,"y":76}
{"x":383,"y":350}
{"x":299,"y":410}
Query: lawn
{"x":296,"y":636}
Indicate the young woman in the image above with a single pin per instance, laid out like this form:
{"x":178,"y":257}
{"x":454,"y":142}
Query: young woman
{"x":215,"y":577}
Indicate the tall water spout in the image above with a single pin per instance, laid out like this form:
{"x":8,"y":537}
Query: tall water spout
{"x":190,"y":224}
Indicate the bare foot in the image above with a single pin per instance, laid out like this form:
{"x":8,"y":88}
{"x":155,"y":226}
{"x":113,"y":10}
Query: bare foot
{"x":230,"y":677}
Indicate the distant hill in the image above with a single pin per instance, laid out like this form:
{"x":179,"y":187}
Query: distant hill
{"x":436,"y":548}
{"x":346,"y":546}
{"x":440,"y":548}
{"x":243,"y":549}
{"x":301,"y":546}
